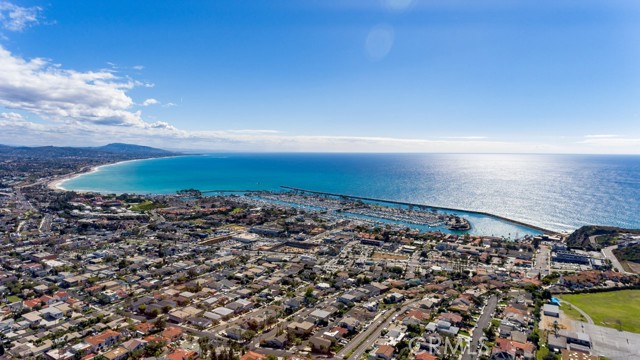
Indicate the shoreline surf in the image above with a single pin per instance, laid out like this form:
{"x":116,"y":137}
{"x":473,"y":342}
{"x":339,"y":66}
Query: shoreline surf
{"x":57,"y":184}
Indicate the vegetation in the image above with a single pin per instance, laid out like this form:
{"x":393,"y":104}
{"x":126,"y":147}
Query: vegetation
{"x":580,"y":238}
{"x":571,"y":312}
{"x":615,"y":309}
{"x":147,"y":205}
{"x":628,"y":253}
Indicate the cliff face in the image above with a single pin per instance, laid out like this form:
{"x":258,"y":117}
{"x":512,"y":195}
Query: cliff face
{"x":594,"y":237}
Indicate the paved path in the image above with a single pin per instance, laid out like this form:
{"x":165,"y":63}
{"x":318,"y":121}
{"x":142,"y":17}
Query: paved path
{"x":478,"y":332}
{"x":608,"y":253}
{"x":584,"y":314}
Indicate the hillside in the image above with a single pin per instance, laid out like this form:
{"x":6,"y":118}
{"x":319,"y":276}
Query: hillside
{"x":132,"y":149}
{"x":628,"y":253}
{"x":110,"y":150}
{"x":602,"y":236}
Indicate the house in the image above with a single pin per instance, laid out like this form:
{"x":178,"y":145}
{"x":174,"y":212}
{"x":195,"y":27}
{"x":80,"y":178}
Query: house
{"x":223,"y":312}
{"x":240,"y":305}
{"x":393,"y":298}
{"x":506,"y":349}
{"x":347,"y":299}
{"x":252,"y":355}
{"x":60,"y":354}
{"x":425,"y":355}
{"x":320,"y":315}
{"x":134,"y":345}
{"x":143,"y":328}
{"x":118,"y":353}
{"x":446,"y":327}
{"x":103,"y":340}
{"x":300,"y":328}
{"x":453,"y":318}
{"x":320,"y":344}
{"x":172,"y":333}
{"x":384,"y":352}
{"x":182,"y":354}
{"x":52,"y":313}
{"x":371,"y":306}
{"x":293,"y":304}
{"x":33,"y":318}
{"x":234,"y":333}
{"x":178,"y":316}
{"x":349,"y":323}
{"x":277,"y":342}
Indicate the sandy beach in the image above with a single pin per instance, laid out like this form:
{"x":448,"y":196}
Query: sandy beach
{"x":56,"y":184}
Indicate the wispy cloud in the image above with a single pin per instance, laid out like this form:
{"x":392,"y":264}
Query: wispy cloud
{"x":612,"y":142}
{"x":464,"y":137}
{"x":604,"y":136}
{"x":18,"y":18}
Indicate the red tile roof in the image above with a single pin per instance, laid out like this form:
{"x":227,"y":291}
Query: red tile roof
{"x":252,"y":355}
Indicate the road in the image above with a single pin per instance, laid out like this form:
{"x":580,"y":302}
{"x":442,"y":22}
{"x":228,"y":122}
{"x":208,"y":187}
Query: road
{"x":359,"y":345}
{"x":608,"y":253}
{"x":542,"y":261}
{"x":478,"y":332}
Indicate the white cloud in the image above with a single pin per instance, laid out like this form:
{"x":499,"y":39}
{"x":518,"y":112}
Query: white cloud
{"x":604,"y":136}
{"x":18,"y":18}
{"x":622,"y":144}
{"x":464,"y":137}
{"x":138,"y":67}
{"x":150,"y":102}
{"x":11,"y":116}
{"x":53,"y":93}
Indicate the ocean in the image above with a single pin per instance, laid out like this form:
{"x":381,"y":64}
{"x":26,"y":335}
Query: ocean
{"x":555,"y":192}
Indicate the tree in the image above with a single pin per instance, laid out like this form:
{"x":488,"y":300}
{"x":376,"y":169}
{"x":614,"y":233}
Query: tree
{"x":159,"y":324}
{"x":154,"y":348}
{"x":204,"y":345}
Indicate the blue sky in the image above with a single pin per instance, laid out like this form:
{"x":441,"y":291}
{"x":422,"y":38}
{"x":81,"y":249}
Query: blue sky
{"x":324,"y":75}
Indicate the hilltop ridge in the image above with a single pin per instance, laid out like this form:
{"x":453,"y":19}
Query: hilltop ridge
{"x":129,"y":150}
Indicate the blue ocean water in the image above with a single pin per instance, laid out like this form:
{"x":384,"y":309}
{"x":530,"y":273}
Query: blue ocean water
{"x":556,"y":192}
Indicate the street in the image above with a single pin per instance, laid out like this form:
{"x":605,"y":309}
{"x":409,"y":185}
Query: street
{"x":478,"y":332}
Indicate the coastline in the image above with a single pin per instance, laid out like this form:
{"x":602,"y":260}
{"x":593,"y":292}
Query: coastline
{"x":57,"y":183}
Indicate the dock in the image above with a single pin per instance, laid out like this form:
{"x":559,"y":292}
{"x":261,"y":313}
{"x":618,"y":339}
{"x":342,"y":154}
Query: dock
{"x":546,"y":231}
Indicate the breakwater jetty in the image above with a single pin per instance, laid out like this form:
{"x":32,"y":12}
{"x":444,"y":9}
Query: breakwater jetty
{"x":403,"y":203}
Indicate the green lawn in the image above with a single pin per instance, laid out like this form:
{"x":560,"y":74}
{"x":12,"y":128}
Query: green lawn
{"x":13,"y":299}
{"x":571,"y":312}
{"x":615,"y":309}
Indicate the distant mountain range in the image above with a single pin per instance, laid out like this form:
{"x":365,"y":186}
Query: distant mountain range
{"x":115,"y":149}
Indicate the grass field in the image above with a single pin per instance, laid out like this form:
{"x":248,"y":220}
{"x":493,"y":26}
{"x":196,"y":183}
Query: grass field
{"x":571,"y":312}
{"x":615,"y":309}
